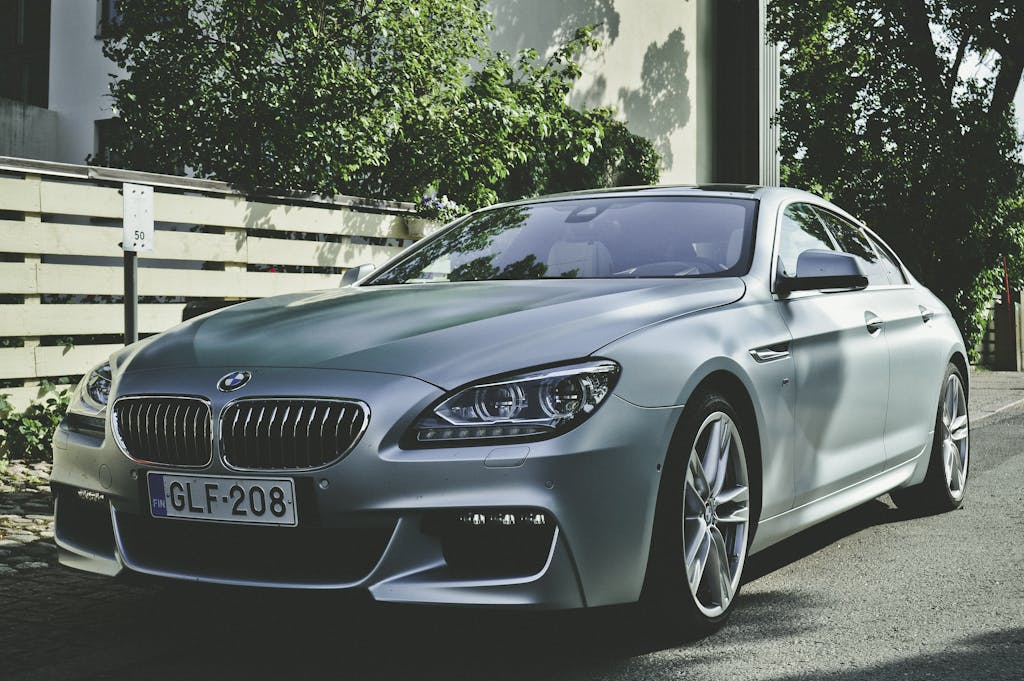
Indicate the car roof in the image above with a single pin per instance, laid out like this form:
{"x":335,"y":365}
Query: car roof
{"x":745,"y":191}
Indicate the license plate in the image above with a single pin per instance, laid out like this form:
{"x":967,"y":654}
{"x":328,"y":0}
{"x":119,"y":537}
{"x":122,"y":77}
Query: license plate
{"x":257,"y":501}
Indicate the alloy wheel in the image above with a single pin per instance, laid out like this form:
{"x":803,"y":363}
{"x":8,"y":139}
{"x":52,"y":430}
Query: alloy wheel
{"x":716,"y":514}
{"x":955,"y":437}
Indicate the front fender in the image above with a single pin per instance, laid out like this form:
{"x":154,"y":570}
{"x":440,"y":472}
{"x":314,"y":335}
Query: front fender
{"x":663,"y":364}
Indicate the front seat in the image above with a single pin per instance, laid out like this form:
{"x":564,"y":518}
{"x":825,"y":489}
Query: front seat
{"x":579,"y":253}
{"x":732,"y":249}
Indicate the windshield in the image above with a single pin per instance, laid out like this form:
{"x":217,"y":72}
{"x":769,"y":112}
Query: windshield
{"x":588,"y":238}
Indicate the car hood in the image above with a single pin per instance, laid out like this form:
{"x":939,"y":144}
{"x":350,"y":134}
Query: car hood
{"x":443,"y":333}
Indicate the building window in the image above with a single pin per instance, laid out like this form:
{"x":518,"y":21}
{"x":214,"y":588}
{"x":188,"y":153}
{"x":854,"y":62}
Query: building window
{"x":25,"y":51}
{"x":108,"y":135}
{"x":108,"y":17}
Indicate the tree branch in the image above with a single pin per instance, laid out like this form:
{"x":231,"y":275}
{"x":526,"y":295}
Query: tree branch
{"x":955,"y":68}
{"x":1011,"y":68}
{"x":922,"y":52}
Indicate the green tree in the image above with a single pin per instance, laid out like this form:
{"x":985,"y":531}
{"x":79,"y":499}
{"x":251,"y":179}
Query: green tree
{"x":371,"y":97}
{"x":902,"y":112}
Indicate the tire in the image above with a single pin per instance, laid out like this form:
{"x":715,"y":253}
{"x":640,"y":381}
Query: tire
{"x":946,"y":480}
{"x":703,"y":522}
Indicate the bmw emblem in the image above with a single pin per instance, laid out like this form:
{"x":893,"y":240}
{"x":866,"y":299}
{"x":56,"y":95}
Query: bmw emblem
{"x":233,"y":381}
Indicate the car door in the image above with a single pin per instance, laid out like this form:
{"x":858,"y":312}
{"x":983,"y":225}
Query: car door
{"x":841,"y":367}
{"x":916,"y":352}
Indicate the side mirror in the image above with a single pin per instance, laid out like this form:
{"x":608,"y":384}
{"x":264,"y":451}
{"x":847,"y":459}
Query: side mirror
{"x":821,"y":269}
{"x":354,"y":274}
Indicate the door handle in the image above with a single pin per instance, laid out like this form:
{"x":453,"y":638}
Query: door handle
{"x":926,"y":314}
{"x":873,"y":322}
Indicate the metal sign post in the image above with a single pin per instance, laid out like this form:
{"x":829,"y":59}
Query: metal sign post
{"x":138,"y":236}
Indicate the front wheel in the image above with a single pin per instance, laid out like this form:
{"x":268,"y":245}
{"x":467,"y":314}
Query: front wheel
{"x":702,"y":526}
{"x":944,"y":484}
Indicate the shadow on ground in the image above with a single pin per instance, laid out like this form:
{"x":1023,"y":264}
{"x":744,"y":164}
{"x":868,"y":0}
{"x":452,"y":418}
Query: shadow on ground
{"x":872,"y":514}
{"x":57,"y":624}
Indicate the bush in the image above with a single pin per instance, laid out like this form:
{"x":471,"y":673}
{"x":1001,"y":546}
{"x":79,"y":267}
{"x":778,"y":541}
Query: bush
{"x":27,"y":435}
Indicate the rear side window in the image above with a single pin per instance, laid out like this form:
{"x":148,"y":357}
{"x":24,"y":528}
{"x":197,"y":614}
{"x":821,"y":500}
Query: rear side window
{"x":801,"y":230}
{"x":892,"y":267}
{"x":855,"y":242}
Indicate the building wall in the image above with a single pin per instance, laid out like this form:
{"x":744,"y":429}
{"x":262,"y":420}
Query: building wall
{"x":768,"y":101}
{"x":79,"y":75}
{"x":654,"y":67}
{"x":27,"y":131}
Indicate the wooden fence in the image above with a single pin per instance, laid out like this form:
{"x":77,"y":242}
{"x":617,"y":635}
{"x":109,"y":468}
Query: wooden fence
{"x":61,"y":279}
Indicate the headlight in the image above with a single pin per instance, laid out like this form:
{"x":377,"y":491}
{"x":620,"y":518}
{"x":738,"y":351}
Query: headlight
{"x":533,"y":405}
{"x":93,"y":392}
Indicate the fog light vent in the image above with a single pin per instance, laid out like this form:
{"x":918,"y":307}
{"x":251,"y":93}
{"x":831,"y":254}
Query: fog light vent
{"x":506,"y":518}
{"x":491,"y":543}
{"x":82,"y":520}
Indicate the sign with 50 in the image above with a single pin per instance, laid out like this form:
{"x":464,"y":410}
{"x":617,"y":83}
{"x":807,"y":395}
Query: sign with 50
{"x":138,"y":218}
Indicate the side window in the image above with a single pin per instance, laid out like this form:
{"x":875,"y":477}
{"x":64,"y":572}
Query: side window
{"x":109,"y":133}
{"x":853,"y":241}
{"x":801,"y":230}
{"x":892,"y":267}
{"x":108,"y":17}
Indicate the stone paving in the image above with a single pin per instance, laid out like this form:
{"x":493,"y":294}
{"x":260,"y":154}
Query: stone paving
{"x":26,"y":518}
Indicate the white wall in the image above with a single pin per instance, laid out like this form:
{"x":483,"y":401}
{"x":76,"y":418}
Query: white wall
{"x":78,"y":78}
{"x":653,"y":67}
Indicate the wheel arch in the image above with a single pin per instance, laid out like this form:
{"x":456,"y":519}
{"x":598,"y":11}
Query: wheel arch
{"x":958,"y":358}
{"x":732,"y":387}
{"x":723,"y":378}
{"x":738,"y":394}
{"x":960,"y":362}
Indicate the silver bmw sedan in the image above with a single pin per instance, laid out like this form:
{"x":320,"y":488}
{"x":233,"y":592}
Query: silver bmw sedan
{"x":565,"y":402}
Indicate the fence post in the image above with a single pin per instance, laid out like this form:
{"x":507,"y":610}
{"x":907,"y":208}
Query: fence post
{"x":137,"y":234}
{"x":131,"y":297}
{"x":1020,"y":330}
{"x":31,"y":220}
{"x":1008,"y":335}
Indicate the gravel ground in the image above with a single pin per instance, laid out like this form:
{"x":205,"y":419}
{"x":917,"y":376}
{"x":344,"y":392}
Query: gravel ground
{"x":26,"y":518}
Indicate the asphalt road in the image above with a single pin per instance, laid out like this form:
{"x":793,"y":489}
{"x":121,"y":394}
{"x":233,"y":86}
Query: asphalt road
{"x":870,"y":595}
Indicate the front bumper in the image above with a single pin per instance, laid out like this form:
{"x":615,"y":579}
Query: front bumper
{"x":367,"y":521}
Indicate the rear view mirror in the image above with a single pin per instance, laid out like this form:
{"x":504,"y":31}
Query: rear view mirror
{"x":354,"y":274}
{"x":820,"y":269}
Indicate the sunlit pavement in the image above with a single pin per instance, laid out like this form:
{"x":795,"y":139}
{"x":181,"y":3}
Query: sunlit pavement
{"x":871,"y":594}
